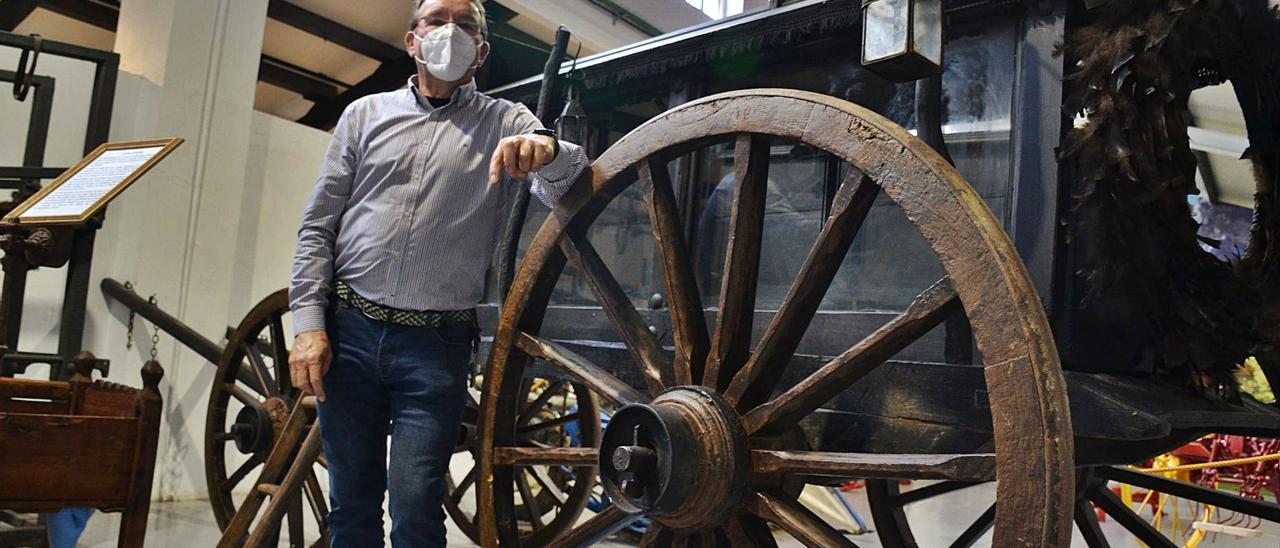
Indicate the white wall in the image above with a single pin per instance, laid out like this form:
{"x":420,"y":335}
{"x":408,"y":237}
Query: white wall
{"x":235,"y":238}
{"x":285,"y":159}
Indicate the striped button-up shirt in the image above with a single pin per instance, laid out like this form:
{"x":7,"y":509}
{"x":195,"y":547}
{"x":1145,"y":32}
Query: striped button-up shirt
{"x":403,"y":211}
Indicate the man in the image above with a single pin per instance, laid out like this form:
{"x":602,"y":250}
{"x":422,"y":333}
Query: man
{"x":389,"y":267}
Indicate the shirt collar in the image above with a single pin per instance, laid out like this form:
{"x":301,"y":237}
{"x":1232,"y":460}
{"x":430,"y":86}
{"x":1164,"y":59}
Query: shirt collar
{"x":460,"y":96}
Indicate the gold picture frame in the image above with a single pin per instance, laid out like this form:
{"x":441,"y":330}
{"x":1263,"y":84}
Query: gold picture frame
{"x":19,"y":214}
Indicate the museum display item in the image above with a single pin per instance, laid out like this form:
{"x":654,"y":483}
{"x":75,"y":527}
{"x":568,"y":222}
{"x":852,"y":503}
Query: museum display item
{"x":597,"y":302}
{"x":87,"y":187}
{"x":80,"y":444}
{"x":759,"y":288}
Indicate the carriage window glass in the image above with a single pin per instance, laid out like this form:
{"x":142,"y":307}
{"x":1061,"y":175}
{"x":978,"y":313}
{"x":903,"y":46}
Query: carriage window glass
{"x":611,"y":124}
{"x":889,"y":263}
{"x":793,"y":218}
{"x":887,"y":266}
{"x":623,"y":238}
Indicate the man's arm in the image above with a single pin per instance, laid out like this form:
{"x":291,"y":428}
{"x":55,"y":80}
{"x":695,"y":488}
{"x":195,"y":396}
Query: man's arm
{"x":312,"y":280}
{"x":551,"y":177}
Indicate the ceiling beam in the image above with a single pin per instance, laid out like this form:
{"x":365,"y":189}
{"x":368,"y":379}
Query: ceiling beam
{"x":312,"y":86}
{"x":99,"y":13}
{"x":504,"y":32}
{"x":332,"y":31}
{"x":595,"y":27}
{"x":390,"y":75}
{"x":626,"y":15}
{"x":498,"y":13}
{"x":14,"y":12}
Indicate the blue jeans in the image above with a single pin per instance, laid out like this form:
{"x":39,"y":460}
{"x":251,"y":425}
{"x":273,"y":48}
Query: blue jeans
{"x":406,"y":381}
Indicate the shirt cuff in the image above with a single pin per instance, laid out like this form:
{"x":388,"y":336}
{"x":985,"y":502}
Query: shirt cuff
{"x":307,"y":319}
{"x":561,"y":167}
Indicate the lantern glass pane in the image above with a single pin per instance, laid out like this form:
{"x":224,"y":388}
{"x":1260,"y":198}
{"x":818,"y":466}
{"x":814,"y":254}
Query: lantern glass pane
{"x":885,"y":29}
{"x":928,"y":30}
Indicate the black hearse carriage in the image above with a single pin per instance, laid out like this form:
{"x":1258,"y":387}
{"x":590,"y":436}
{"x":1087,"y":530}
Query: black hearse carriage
{"x":600,"y":294}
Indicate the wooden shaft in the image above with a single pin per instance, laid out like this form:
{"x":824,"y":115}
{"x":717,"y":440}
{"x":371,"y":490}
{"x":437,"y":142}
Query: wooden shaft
{"x":288,"y":490}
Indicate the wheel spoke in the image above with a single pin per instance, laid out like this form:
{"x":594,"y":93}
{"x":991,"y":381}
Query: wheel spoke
{"x":1258,"y":508}
{"x":315,"y":496}
{"x":537,"y":404}
{"x":236,"y":477}
{"x":539,"y":474}
{"x":530,"y":456}
{"x":259,"y":368}
{"x":241,"y":395}
{"x":280,"y":353}
{"x":747,"y":531}
{"x":783,"y":412}
{"x":890,"y":519}
{"x":607,"y":522}
{"x":795,"y":519}
{"x":932,"y":490}
{"x":530,"y":501}
{"x":294,"y":516}
{"x":578,"y":367}
{"x":972,"y":467}
{"x":547,"y":424}
{"x":1126,"y":517}
{"x":466,"y":483}
{"x":617,"y":306}
{"x":689,"y":324}
{"x":732,"y":340}
{"x":1087,"y":521}
{"x":852,"y":203}
{"x":978,"y":528}
{"x":653,"y":536}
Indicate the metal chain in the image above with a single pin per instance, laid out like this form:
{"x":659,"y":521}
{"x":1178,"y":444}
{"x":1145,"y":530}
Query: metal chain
{"x":155,"y":334}
{"x":128,"y":341}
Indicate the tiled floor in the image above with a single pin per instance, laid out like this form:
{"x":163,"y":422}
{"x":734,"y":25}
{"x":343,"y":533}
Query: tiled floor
{"x":936,"y":523}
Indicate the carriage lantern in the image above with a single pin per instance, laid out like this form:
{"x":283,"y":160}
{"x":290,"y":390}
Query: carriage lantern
{"x":902,"y":39}
{"x":573,"y":125}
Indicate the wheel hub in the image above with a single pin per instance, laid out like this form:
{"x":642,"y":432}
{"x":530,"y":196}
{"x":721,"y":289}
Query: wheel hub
{"x":682,"y":458}
{"x":255,"y":426}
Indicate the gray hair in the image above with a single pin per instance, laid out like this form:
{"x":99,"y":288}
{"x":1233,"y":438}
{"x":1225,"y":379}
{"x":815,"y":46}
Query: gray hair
{"x":478,"y":5}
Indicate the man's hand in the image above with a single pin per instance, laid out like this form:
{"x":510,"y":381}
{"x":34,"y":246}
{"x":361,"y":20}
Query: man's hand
{"x":309,"y":362}
{"x":521,"y":155}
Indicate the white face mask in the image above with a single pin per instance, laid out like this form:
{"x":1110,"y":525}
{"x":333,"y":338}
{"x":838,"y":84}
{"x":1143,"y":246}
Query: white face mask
{"x":448,"y":52}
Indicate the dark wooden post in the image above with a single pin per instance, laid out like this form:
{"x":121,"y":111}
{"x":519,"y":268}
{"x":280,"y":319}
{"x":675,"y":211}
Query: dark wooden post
{"x":134,"y":524}
{"x":81,"y":381}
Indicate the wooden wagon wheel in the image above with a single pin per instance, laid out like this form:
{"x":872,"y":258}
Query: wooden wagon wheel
{"x":888,"y":507}
{"x":543,"y":490}
{"x":697,"y":458}
{"x":260,"y":346}
{"x":263,"y":399}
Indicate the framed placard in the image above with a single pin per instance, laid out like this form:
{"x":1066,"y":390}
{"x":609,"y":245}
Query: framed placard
{"x":81,"y":191}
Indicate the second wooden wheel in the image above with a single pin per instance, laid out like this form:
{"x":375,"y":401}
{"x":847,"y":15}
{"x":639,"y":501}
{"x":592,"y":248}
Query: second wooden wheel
{"x":699,"y":441}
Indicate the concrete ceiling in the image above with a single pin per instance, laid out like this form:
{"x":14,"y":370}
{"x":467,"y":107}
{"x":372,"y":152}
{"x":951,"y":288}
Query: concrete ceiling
{"x":1218,"y":135}
{"x":528,"y":26}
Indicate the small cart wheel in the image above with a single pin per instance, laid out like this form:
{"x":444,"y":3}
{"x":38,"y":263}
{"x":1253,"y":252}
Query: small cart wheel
{"x":251,"y":399}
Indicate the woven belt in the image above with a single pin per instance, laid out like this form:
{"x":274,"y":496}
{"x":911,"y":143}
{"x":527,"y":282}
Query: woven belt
{"x":411,"y":318}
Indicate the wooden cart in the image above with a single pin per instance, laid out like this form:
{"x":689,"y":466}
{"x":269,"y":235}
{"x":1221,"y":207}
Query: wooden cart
{"x":80,"y":444}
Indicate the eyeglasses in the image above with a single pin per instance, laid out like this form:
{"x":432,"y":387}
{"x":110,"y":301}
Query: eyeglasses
{"x":468,"y":26}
